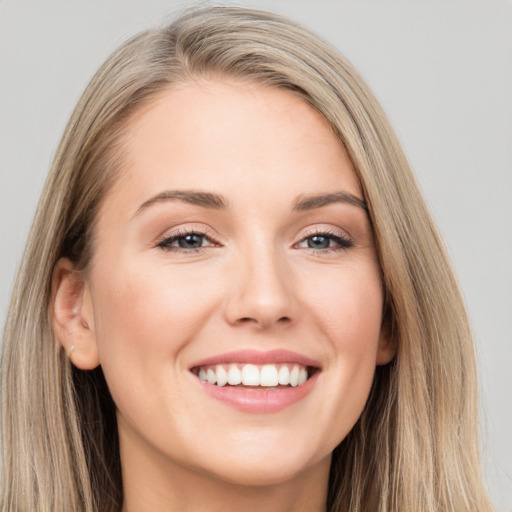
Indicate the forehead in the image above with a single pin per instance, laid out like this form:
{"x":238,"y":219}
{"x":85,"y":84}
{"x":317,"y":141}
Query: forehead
{"x":232,"y":138}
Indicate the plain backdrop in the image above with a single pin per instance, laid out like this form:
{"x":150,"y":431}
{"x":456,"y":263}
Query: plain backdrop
{"x":443,"y":72}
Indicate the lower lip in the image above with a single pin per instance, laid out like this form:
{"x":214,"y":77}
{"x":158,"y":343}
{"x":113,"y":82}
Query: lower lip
{"x":259,"y":400}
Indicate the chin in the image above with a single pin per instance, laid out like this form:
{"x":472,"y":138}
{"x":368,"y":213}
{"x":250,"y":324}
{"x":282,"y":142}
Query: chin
{"x":259,"y":467}
{"x":261,"y":474}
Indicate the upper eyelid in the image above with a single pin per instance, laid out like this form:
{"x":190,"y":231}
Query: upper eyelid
{"x":329,"y":231}
{"x":186,"y":230}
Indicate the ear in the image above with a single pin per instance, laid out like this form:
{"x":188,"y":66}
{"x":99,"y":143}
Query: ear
{"x":72,"y":315}
{"x":386,"y":349}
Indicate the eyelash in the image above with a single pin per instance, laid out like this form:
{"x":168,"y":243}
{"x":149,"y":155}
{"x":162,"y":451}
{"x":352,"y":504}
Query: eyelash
{"x":342,"y":242}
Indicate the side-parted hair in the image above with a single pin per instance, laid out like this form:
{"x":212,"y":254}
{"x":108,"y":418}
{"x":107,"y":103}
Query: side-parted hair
{"x":415,"y":447}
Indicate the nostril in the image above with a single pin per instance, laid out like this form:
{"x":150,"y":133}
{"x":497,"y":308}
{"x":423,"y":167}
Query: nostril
{"x":263,"y":322}
{"x":249,"y":320}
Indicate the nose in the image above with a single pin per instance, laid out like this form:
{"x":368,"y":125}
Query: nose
{"x":261,"y":291}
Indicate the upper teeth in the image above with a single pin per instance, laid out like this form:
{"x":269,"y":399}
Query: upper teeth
{"x":267,"y":375}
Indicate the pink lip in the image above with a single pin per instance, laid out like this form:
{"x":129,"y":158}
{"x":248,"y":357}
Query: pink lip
{"x":259,"y":400}
{"x":257,"y":357}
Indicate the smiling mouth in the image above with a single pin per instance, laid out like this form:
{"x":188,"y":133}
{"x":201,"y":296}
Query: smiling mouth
{"x":253,"y":376}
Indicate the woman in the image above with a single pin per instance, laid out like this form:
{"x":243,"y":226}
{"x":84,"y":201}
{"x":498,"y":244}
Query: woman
{"x":240,"y":298}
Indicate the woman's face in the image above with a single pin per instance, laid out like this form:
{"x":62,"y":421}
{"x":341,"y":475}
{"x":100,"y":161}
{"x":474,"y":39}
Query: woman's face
{"x":234,"y":246}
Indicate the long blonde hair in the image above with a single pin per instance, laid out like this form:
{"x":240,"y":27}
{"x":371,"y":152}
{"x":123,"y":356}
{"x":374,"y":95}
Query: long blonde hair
{"x":415,"y":447}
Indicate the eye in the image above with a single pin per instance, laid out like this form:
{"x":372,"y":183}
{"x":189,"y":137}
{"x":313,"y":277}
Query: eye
{"x":186,"y":241}
{"x":325,"y":241}
{"x":318,"y":242}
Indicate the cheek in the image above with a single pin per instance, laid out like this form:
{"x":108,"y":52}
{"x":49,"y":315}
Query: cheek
{"x":347,"y":304}
{"x":145,"y":316}
{"x":355,"y":331}
{"x":349,"y":314}
{"x":148,"y":312}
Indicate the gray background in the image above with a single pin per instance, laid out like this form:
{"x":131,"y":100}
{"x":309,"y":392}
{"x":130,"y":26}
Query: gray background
{"x":442,"y":70}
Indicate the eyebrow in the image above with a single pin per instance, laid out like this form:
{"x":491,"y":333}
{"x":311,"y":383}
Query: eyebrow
{"x":218,"y":202}
{"x":195,"y":197}
{"x":311,"y":202}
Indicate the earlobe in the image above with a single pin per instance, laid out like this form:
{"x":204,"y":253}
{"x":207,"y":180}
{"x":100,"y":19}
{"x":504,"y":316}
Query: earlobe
{"x":386,"y":349}
{"x":72,"y":315}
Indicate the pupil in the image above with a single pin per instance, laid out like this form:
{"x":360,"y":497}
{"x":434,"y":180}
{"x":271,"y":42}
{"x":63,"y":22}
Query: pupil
{"x":190,"y":241}
{"x":318,"y":242}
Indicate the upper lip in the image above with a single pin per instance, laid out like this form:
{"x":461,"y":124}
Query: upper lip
{"x":258,"y":357}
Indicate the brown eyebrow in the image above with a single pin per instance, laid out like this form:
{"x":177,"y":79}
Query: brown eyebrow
{"x":195,"y":197}
{"x":218,"y":202}
{"x":311,"y":202}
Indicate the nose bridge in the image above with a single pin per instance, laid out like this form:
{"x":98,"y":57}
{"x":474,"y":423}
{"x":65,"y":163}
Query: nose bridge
{"x":261,"y":290}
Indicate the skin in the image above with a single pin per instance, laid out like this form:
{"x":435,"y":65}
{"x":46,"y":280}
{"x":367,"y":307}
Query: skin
{"x":148,"y":313}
